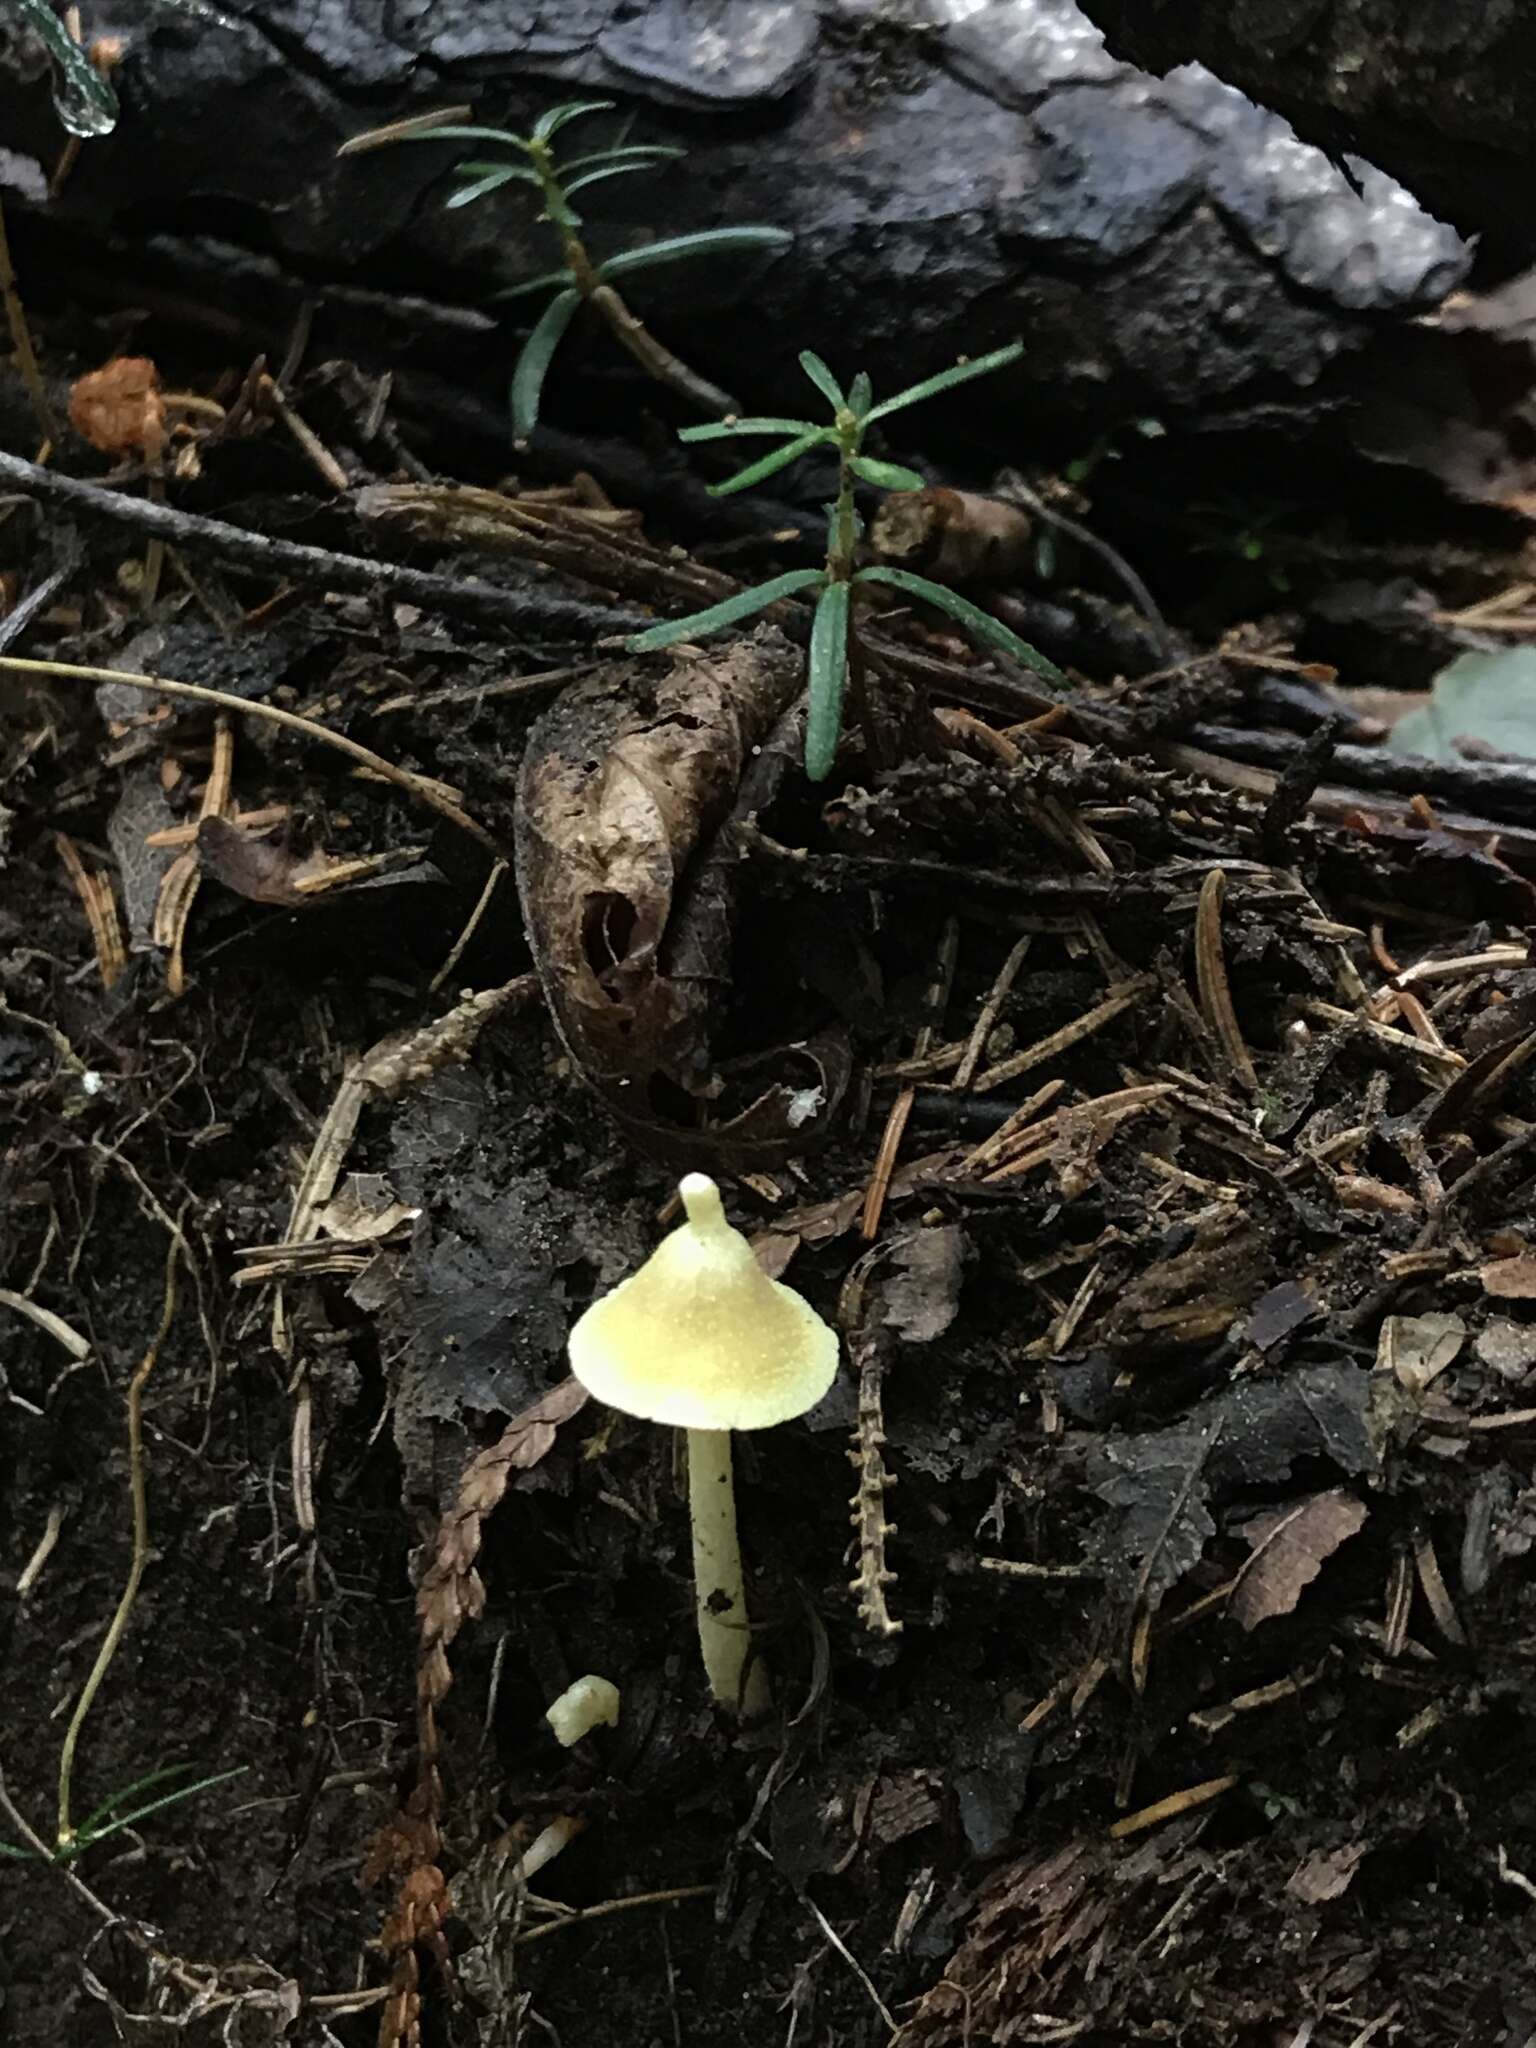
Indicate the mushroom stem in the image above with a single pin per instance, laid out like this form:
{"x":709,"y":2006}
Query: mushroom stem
{"x":724,"y":1635}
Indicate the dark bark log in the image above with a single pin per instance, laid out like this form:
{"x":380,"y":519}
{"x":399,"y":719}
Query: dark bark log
{"x":1161,"y":247}
{"x":1441,"y":94}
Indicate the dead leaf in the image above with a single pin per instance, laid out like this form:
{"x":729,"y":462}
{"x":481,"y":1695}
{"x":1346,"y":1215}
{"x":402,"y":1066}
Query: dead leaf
{"x":261,"y":870}
{"x":921,"y":1298}
{"x":626,"y":859}
{"x":1290,"y":1549}
{"x":1162,"y":1482}
{"x":1417,"y":1349}
{"x":1278,"y":1315}
{"x":1511,"y":1279}
{"x":364,"y":1209}
{"x":1325,"y":1874}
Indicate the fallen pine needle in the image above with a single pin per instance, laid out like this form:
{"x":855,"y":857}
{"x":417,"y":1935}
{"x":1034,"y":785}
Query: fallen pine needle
{"x":1169,"y":1808}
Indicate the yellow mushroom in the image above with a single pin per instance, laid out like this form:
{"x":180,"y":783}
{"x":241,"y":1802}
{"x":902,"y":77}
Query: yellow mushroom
{"x":701,"y":1338}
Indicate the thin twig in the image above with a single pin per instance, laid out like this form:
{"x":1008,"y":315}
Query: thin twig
{"x":832,"y":1936}
{"x":125,"y":1605}
{"x":1119,"y":1000}
{"x":418,"y":786}
{"x":632,"y":334}
{"x":604,"y":1907}
{"x":456,"y":951}
{"x":484,"y":604}
{"x":21,"y":342}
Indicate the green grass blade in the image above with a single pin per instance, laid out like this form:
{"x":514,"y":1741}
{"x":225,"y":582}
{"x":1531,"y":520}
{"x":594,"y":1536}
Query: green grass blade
{"x":126,"y":1820}
{"x":98,"y":1814}
{"x":946,"y":380}
{"x":860,"y":396}
{"x":770,"y":465}
{"x":21,"y":1855}
{"x":741,"y":606}
{"x":551,"y":123}
{"x":533,"y":363}
{"x":480,"y":189}
{"x":683,"y":248}
{"x":992,"y":632}
{"x":547,"y":282}
{"x":823,"y":379}
{"x":826,"y":677}
{"x":889,"y":476}
{"x":722,"y":430}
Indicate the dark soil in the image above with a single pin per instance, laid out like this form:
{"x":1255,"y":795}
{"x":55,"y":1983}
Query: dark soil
{"x":1204,"y":1712}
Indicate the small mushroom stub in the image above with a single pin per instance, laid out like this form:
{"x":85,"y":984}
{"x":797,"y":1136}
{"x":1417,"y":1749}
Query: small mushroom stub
{"x":589,"y":1703}
{"x":701,"y":1338}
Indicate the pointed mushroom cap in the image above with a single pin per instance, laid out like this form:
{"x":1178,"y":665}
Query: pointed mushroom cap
{"x":700,"y":1337}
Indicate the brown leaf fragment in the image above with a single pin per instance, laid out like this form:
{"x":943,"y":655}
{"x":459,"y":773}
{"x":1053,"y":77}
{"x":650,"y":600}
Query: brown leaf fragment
{"x":261,"y":870}
{"x":1289,"y":1550}
{"x":1278,"y":1315}
{"x":365,"y":1209}
{"x":922,"y":1296}
{"x":1512,"y":1279}
{"x":1325,"y":1874}
{"x":621,"y":784}
{"x":1417,"y":1349}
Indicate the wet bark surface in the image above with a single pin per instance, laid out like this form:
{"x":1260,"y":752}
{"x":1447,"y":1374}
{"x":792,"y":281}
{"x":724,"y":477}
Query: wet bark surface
{"x":1440,"y":97}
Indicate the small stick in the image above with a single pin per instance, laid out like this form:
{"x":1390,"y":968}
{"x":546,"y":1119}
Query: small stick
{"x":658,"y":362}
{"x":604,"y":1907}
{"x":492,"y":880}
{"x":1169,"y":1808}
{"x":263,"y":555}
{"x":328,"y":468}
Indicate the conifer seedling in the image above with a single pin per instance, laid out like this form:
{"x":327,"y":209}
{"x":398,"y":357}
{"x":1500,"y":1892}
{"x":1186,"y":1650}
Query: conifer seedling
{"x":853,"y":414}
{"x":530,"y":160}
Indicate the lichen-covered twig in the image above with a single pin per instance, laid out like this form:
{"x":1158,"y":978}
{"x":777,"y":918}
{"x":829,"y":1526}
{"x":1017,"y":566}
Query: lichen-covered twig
{"x":400,"y":1063}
